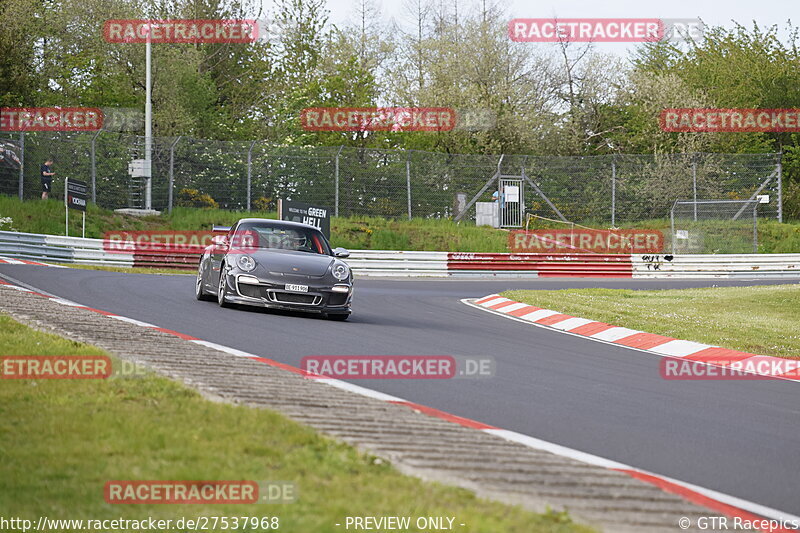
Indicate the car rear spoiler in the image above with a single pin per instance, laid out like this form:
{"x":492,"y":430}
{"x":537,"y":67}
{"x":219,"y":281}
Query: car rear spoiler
{"x":220,"y":229}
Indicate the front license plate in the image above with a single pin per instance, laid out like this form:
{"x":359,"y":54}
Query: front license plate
{"x":296,"y":288}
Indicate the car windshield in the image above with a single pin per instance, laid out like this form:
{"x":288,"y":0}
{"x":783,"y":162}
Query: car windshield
{"x":277,"y":237}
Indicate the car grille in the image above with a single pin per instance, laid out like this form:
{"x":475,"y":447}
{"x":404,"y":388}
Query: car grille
{"x":337,"y":298}
{"x":294,"y":276}
{"x":253,"y":291}
{"x":259,"y":291}
{"x":294,"y":298}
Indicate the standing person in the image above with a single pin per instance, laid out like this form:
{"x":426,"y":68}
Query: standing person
{"x":47,"y":178}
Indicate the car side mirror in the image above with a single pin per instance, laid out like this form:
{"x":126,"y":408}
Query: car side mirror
{"x":341,"y":253}
{"x":219,"y":240}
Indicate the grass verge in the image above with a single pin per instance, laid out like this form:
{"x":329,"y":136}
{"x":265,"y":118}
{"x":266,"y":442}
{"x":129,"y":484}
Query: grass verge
{"x":61,"y":440}
{"x":357,"y":232}
{"x":135,"y":270}
{"x":761,"y":320}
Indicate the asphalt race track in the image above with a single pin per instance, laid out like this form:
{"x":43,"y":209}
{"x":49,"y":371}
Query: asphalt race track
{"x":737,"y":437}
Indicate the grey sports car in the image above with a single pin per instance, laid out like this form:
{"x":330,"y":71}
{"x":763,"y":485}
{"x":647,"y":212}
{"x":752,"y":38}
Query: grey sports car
{"x":276,"y":264}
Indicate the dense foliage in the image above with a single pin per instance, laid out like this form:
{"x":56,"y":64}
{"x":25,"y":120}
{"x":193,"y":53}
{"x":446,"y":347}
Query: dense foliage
{"x":548,"y":99}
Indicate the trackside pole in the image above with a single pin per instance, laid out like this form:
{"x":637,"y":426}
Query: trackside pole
{"x":22,"y":164}
{"x":66,"y":210}
{"x":148,"y":122}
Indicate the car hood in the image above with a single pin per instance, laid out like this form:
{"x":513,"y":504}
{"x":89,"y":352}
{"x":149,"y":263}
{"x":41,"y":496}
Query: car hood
{"x":296,"y":263}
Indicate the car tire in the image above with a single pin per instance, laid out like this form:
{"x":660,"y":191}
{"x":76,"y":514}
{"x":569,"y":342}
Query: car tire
{"x":222,"y":288}
{"x":199,"y":291}
{"x":339,"y":317}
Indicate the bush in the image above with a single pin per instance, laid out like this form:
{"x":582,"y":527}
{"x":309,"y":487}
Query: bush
{"x":193,"y":198}
{"x":791,"y":200}
{"x":264,"y":203}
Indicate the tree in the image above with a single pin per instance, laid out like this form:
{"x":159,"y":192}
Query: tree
{"x":18,"y":81}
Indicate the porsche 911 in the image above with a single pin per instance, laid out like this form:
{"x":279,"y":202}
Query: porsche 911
{"x":276,"y":264}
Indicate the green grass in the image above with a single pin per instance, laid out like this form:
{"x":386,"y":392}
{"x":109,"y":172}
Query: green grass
{"x":761,"y":320}
{"x":365,"y":233}
{"x":61,"y":440}
{"x":136,"y":270}
{"x":777,"y":238}
{"x":37,"y":216}
{"x":357,"y":232}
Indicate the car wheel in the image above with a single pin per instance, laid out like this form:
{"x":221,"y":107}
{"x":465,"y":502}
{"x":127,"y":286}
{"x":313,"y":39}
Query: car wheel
{"x":339,"y":317}
{"x":223,"y":288}
{"x":199,"y":291}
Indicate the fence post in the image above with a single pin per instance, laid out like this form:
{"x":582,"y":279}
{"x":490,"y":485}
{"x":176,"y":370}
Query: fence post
{"x":780,"y":187}
{"x":694,"y":185}
{"x":672,"y":227}
{"x":21,"y":163}
{"x":336,"y":183}
{"x":499,"y":194}
{"x":408,"y":180}
{"x":172,"y":172}
{"x":249,"y":172}
{"x":94,"y":167}
{"x":522,"y":197}
{"x":755,"y":228}
{"x":614,"y":191}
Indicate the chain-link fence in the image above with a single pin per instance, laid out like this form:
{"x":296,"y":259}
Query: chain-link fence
{"x":598,"y":191}
{"x":714,"y":226}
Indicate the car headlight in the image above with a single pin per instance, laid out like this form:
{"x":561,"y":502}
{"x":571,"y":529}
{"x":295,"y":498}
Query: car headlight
{"x":340,"y":271}
{"x":246,"y":263}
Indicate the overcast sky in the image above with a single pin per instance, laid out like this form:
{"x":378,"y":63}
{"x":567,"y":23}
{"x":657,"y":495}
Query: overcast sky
{"x":718,"y":12}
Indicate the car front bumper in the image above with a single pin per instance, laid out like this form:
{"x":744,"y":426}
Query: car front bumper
{"x":322,"y":297}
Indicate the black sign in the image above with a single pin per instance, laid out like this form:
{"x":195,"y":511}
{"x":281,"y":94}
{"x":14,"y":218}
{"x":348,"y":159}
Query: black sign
{"x":76,"y":194}
{"x":313,"y":215}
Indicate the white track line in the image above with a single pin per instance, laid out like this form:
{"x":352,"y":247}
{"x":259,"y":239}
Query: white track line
{"x":132,"y":321}
{"x":226,"y":349}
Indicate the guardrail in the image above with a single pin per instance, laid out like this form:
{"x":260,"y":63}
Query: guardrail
{"x":59,"y":249}
{"x":387,"y":263}
{"x":543,"y":265}
{"x":751,"y":266}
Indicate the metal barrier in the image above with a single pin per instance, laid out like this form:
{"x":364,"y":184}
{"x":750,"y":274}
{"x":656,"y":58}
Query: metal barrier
{"x":751,"y":266}
{"x":544,"y":265}
{"x":398,"y":263}
{"x":386,"y":263}
{"x":59,"y":249}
